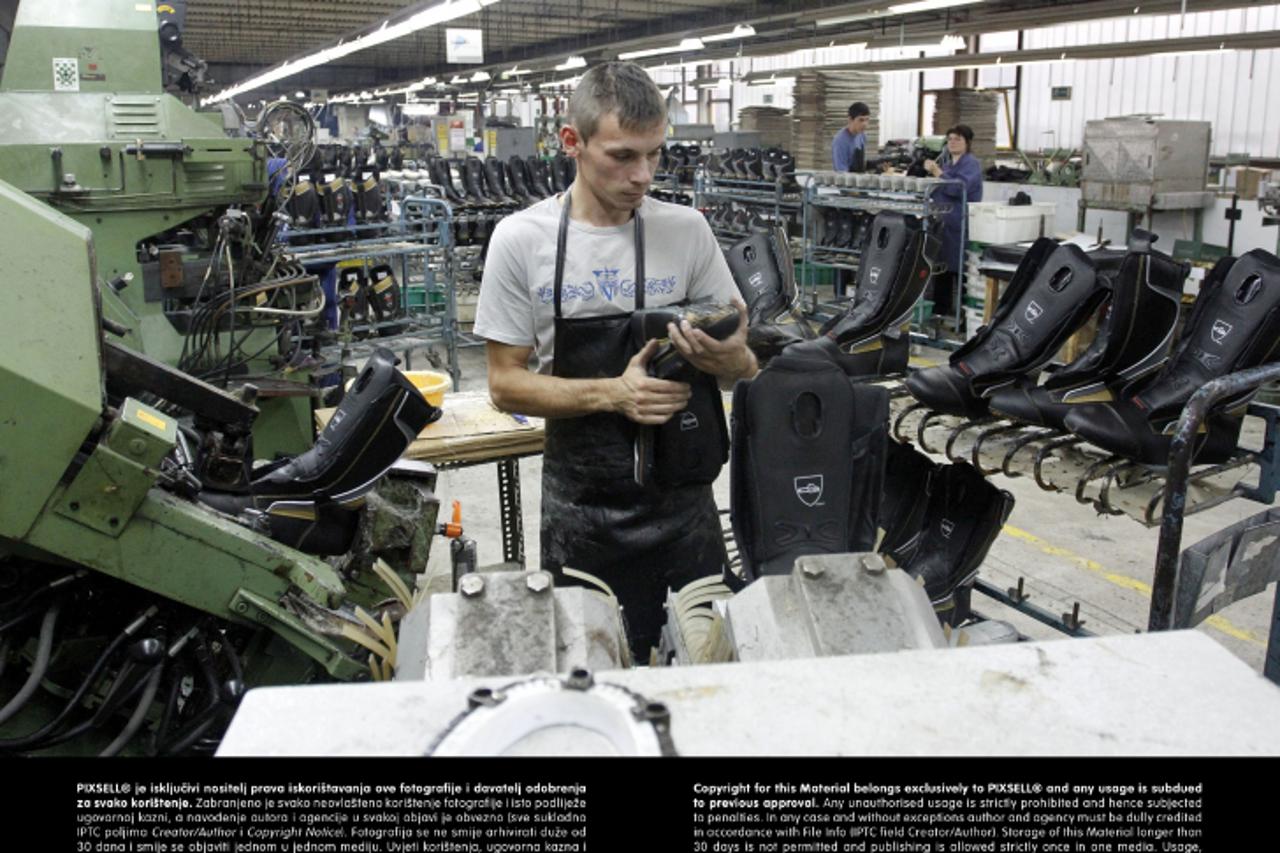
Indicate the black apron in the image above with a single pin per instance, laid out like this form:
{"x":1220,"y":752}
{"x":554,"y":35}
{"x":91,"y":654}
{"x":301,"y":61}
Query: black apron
{"x":639,"y":540}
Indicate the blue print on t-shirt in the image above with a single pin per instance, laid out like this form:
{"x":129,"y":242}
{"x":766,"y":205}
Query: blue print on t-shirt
{"x":609,"y":286}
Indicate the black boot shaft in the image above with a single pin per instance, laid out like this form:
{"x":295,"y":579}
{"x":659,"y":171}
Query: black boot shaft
{"x":1237,"y":328}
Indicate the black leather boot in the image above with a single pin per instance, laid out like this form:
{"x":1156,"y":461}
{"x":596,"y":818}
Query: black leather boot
{"x":1235,"y":325}
{"x":563,"y":170}
{"x":473,"y":180}
{"x":496,"y":177}
{"x":844,"y":230}
{"x":442,"y":175}
{"x":518,"y":175}
{"x":872,"y":337}
{"x":301,"y":497}
{"x":906,"y":499}
{"x":1054,"y":291}
{"x":540,"y":176}
{"x":765,"y":275}
{"x":962,"y":520}
{"x":353,"y":296}
{"x":1133,"y":340}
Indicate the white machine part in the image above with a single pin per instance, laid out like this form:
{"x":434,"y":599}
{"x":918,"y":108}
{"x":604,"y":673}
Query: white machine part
{"x":1171,"y":693}
{"x":510,"y":623}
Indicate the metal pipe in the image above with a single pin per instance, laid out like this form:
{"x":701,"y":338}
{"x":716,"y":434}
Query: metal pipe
{"x":1037,"y":613}
{"x":1164,"y":582}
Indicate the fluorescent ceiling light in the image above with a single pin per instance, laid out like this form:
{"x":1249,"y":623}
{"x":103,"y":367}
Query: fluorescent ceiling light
{"x":742,"y":31}
{"x":516,"y":71}
{"x":572,"y":63}
{"x":431,"y":16}
{"x":928,"y":6}
{"x":898,"y":9}
{"x":480,"y":77}
{"x":552,"y":84}
{"x":457,"y":80}
{"x":685,"y":46}
{"x":953,"y":42}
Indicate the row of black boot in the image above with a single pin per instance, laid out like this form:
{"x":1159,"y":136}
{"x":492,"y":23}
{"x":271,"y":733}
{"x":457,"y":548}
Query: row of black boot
{"x":368,"y":298}
{"x":871,"y":338}
{"x":1127,"y":391}
{"x":837,"y":228}
{"x":765,"y":165}
{"x":319,"y":199}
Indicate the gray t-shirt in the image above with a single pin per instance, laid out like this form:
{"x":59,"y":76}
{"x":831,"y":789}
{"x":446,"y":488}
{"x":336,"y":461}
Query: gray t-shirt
{"x":516,"y":307}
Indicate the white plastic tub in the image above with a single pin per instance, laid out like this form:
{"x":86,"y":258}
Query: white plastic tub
{"x":999,"y":222}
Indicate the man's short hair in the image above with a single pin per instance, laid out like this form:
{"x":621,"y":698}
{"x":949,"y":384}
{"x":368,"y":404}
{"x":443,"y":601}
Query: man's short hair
{"x":623,"y":88}
{"x":858,"y":109}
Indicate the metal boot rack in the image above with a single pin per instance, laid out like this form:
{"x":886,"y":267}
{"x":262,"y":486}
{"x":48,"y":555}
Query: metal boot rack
{"x":421,"y":241}
{"x":1061,"y":462}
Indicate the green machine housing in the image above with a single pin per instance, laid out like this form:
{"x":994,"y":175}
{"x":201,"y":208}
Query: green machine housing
{"x":89,"y":130}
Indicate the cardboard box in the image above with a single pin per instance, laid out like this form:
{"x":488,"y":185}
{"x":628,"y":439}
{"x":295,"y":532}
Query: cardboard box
{"x":1247,"y":180}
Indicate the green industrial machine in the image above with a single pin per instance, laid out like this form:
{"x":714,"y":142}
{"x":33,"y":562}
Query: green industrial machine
{"x":150,"y":571}
{"x":90,"y":130}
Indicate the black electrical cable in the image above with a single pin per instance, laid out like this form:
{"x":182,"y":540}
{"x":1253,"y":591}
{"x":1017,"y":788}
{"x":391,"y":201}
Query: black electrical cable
{"x":199,"y":727}
{"x":139,"y":713}
{"x":114,"y":699}
{"x":39,"y":666}
{"x":166,"y":716}
{"x":233,"y":659}
{"x":51,"y":727}
{"x":36,"y":593}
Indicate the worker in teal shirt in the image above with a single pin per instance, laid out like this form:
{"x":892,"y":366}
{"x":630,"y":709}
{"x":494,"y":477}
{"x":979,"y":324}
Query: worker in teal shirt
{"x":955,"y":164}
{"x":849,"y":148}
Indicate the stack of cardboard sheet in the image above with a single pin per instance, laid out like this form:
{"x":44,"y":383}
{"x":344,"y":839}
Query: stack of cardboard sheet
{"x":822,"y":100}
{"x":772,"y":123}
{"x":975,"y":108}
{"x":470,"y":430}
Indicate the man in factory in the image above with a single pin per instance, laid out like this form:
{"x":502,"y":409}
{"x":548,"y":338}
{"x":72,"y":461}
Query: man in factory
{"x":849,"y":148}
{"x":561,"y":280}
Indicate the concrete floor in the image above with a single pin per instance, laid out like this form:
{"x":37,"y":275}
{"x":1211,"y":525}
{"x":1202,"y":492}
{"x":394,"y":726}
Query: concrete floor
{"x":1064,"y":550}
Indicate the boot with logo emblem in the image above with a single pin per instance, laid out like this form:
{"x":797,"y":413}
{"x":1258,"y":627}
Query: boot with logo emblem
{"x":1234,"y":325}
{"x":964,"y":515}
{"x":763,"y":270}
{"x":1053,"y":293}
{"x":872,"y":337}
{"x":807,"y":462}
{"x":1133,"y":341}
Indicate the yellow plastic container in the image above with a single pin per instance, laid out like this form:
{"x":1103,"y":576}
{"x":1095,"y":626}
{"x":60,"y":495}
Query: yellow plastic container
{"x":431,"y":383}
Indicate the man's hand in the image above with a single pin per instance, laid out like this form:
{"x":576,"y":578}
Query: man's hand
{"x":728,"y":359}
{"x":644,"y":399}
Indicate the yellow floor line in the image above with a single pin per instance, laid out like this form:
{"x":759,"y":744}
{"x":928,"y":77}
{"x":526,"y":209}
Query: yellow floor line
{"x":1217,"y":622}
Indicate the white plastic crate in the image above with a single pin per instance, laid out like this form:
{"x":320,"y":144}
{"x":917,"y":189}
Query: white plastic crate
{"x":999,"y":222}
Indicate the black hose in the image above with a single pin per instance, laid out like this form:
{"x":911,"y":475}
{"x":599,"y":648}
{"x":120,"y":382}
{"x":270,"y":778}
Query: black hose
{"x":39,"y":666}
{"x":166,"y":716}
{"x":35,"y":594}
{"x":139,"y":713}
{"x":114,"y":699}
{"x":233,"y":659}
{"x":198,"y":727}
{"x":52,"y":726}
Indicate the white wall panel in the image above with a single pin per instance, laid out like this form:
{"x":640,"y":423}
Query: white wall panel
{"x":1239,"y":92}
{"x":1235,"y":90}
